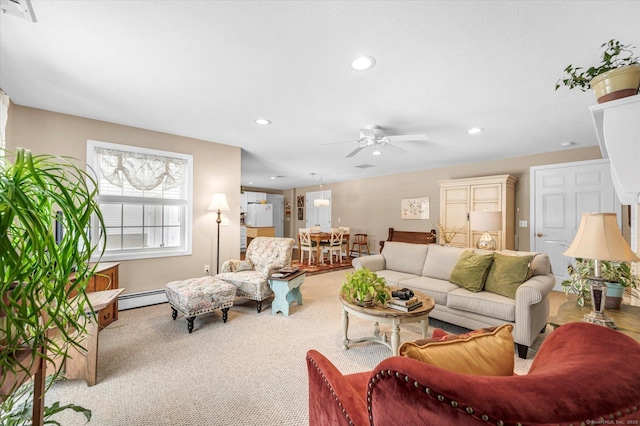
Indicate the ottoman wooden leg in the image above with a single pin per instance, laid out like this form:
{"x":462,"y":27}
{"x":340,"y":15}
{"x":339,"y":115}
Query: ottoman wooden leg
{"x":174,"y":313}
{"x":190,"y":323}
{"x":259,"y":307}
{"x":225,"y":312}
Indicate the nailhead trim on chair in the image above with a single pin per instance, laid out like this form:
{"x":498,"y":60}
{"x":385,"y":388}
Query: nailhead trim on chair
{"x":335,"y":397}
{"x":468,"y":410}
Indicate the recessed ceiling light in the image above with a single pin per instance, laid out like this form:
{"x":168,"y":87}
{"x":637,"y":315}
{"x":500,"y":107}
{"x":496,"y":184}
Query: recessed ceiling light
{"x":263,"y":121}
{"x":362,"y":63}
{"x":377,"y":152}
{"x":273,"y":177}
{"x":250,"y":183}
{"x":474,"y":130}
{"x":567,"y":143}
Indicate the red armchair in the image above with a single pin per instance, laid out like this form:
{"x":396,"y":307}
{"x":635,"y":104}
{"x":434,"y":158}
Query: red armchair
{"x":582,"y":373}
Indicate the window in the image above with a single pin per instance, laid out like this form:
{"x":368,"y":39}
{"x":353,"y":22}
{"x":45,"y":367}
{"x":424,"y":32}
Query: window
{"x":145,"y":200}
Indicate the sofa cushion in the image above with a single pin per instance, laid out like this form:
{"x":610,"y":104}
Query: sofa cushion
{"x":440,"y":261}
{"x":507,"y":273}
{"x":486,"y":352}
{"x":433,"y":287}
{"x":405,"y":257}
{"x":471,"y":270}
{"x":483,"y":303}
{"x":393,"y":278}
{"x":540,"y":264}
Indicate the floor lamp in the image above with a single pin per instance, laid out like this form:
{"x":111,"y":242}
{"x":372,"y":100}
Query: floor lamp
{"x":599,"y":238}
{"x":218,"y":204}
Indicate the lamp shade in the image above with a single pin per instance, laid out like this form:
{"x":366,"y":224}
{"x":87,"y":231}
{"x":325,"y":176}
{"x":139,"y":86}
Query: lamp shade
{"x":599,"y":237}
{"x":219,"y":202}
{"x":485,"y":220}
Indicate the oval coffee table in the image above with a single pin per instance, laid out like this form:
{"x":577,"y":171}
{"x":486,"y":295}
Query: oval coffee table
{"x":381,"y":314}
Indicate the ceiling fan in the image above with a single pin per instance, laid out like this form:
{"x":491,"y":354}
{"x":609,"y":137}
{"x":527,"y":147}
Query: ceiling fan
{"x":373,"y":135}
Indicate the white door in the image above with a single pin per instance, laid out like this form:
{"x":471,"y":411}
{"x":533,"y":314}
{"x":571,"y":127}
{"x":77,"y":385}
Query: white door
{"x":560,"y":193}
{"x":277,"y":201}
{"x":319,"y":216}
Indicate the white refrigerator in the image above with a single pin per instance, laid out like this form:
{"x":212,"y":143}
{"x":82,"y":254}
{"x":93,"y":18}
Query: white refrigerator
{"x":259,"y":215}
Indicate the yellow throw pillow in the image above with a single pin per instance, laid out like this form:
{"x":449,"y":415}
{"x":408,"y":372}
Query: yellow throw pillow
{"x":241,"y":265}
{"x":486,"y":352}
{"x":471,"y":270}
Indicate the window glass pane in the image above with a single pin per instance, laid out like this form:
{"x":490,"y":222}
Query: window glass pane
{"x":172,"y":237}
{"x":132,"y":238}
{"x":172,"y":215}
{"x":155,"y":237}
{"x":132,"y":215}
{"x":111,"y":214}
{"x":153,"y":215}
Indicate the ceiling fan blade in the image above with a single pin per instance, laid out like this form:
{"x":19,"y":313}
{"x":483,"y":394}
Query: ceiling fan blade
{"x":355,"y":151}
{"x":402,"y":138}
{"x":393,"y":148}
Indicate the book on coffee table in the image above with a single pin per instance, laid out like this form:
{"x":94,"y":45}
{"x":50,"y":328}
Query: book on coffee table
{"x":403,"y":302}
{"x":404,"y":308}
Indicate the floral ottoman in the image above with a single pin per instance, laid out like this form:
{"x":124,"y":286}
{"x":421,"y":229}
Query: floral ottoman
{"x":197,"y":296}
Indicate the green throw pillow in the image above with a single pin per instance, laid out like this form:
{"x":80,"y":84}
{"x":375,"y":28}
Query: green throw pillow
{"x":507,"y":274}
{"x":471,"y":270}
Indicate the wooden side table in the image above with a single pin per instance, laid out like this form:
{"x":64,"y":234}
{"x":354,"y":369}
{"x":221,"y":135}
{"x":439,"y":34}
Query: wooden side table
{"x":84,"y":364}
{"x":627,"y":319}
{"x":287,"y":290}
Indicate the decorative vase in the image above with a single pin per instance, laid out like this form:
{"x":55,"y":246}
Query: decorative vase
{"x":617,"y":83}
{"x":615,"y":291}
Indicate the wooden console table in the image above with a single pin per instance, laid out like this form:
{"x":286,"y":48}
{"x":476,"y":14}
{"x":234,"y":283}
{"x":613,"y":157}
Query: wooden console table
{"x":627,"y":319}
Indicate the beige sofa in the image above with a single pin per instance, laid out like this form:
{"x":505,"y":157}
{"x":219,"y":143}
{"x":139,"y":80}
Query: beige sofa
{"x":427,"y":268}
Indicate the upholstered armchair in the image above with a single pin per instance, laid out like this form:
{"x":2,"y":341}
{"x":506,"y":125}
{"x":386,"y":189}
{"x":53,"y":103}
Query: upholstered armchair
{"x":582,"y":374}
{"x":263,"y":256}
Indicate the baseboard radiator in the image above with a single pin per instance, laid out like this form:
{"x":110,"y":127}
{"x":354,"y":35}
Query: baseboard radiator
{"x":141,"y":299}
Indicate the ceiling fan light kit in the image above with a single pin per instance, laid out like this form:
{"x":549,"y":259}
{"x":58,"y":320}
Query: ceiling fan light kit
{"x":373,"y":135}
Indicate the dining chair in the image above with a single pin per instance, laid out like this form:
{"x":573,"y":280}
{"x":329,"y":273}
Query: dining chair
{"x":334,"y":245}
{"x":306,"y":244}
{"x":344,"y":251}
{"x":362,"y":241}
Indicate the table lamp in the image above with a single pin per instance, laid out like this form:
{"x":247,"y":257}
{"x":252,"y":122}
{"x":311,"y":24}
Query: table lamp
{"x":599,"y":238}
{"x":218,"y":204}
{"x":485,"y":221}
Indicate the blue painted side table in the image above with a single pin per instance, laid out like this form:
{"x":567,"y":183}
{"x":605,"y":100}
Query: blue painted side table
{"x":287,"y":290}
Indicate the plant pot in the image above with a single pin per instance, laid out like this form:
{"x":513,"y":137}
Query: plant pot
{"x":615,"y":292}
{"x":367,"y":302}
{"x":617,"y":83}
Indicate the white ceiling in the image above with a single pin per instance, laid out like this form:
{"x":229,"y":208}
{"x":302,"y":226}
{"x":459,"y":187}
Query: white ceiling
{"x":208,"y":69}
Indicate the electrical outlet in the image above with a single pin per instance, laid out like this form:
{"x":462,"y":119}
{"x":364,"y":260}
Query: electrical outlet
{"x":522,"y":224}
{"x":206,"y":269}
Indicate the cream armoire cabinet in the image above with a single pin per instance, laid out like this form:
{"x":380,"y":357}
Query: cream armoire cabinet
{"x":458,"y":197}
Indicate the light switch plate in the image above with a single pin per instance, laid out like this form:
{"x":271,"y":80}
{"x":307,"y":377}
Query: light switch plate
{"x":522,"y":224}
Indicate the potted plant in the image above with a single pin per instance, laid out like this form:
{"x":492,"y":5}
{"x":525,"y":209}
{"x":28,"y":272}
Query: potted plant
{"x":617,"y":277}
{"x":364,"y":287}
{"x":617,"y":76}
{"x":447,"y":236}
{"x":37,"y":297}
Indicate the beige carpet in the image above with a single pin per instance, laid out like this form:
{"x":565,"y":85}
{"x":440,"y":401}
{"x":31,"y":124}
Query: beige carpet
{"x":249,"y":371}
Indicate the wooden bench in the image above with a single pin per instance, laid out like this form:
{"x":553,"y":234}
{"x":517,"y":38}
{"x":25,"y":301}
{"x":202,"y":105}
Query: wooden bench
{"x":410,"y":237}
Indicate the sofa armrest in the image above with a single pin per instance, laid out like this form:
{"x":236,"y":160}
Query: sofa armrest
{"x":333,"y":400}
{"x":535,"y":289}
{"x":375,"y":262}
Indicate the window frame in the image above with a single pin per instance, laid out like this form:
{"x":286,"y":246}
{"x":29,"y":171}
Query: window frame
{"x":144,"y":253}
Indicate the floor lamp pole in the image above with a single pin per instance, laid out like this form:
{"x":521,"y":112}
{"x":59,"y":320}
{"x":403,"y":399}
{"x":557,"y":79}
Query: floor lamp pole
{"x":218,"y":220}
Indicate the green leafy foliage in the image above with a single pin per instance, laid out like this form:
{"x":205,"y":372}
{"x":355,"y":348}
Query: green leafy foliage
{"x":36,"y":295}
{"x":16,"y":410}
{"x":363,"y":283}
{"x":615,"y":55}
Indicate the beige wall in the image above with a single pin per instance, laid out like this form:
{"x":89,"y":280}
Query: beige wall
{"x":216,"y":169}
{"x":372,"y":206}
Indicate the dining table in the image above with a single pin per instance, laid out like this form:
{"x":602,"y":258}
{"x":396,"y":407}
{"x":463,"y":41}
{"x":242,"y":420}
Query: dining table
{"x":323,"y":236}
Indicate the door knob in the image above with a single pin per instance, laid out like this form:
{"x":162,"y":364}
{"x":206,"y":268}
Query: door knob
{"x":540,"y":234}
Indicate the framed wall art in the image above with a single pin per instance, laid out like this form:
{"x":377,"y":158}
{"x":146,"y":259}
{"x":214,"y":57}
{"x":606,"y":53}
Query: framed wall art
{"x":300,"y":200}
{"x":414,"y":208}
{"x":300,"y":213}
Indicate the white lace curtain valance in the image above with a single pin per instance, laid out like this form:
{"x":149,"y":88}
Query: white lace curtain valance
{"x":142,"y":171}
